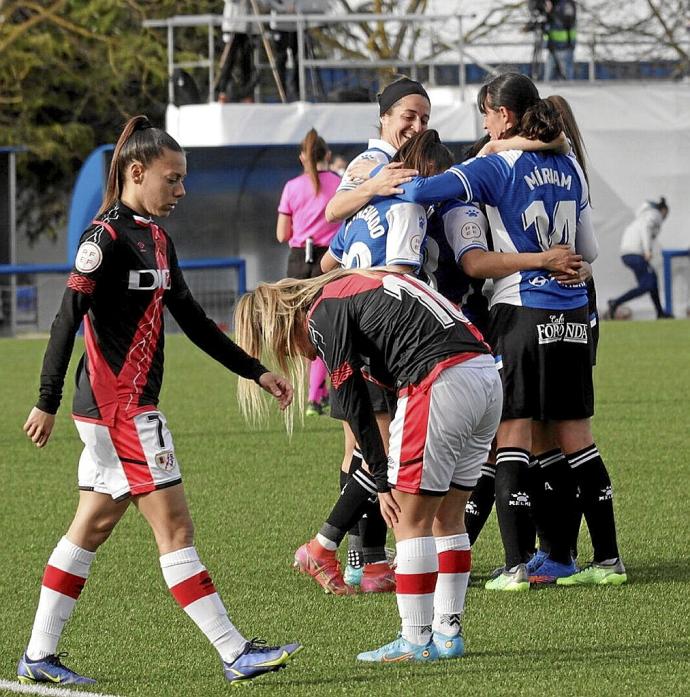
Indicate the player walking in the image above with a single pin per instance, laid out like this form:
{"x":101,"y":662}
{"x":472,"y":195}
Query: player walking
{"x":125,"y":273}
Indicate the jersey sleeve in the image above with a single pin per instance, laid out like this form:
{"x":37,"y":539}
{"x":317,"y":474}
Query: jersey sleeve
{"x":332,"y":333}
{"x":337,"y":245}
{"x":465,"y":228}
{"x":406,"y":230}
{"x":285,"y":206}
{"x":348,"y":183}
{"x":481,"y":179}
{"x":94,"y":256}
{"x":202,"y":330}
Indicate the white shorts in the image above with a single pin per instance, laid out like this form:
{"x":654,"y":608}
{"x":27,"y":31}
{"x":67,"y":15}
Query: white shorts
{"x":441,"y":434}
{"x":133,"y":456}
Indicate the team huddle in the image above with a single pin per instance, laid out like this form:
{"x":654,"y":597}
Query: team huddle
{"x":447,"y":407}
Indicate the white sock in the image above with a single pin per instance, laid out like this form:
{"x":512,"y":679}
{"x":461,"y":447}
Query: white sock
{"x":454,"y":563}
{"x":326,"y":543}
{"x":415,"y":576}
{"x":194,"y":591}
{"x":64,"y":577}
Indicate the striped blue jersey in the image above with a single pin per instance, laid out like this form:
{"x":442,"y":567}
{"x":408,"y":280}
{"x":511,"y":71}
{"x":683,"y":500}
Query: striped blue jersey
{"x":534,"y":201}
{"x":378,"y":151}
{"x":454,"y":228}
{"x":387,"y":231}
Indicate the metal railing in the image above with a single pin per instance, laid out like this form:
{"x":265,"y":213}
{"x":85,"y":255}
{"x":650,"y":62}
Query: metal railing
{"x":453,"y":58}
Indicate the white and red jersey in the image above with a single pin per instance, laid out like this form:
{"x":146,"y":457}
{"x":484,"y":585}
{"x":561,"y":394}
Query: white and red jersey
{"x":125,"y":272}
{"x":393,"y":327}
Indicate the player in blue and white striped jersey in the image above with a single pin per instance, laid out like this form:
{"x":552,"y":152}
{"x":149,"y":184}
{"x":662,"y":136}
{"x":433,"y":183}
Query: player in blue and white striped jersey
{"x":539,"y":324}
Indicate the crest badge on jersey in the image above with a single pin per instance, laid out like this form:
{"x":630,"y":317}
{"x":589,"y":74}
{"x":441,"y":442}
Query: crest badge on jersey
{"x":471,"y":231}
{"x":89,"y":257}
{"x":165,"y":460}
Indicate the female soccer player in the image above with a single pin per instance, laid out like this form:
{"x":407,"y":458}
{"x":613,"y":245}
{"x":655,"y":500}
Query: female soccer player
{"x":534,"y":201}
{"x":301,"y":223}
{"x":448,"y":408}
{"x":404,"y":110}
{"x":125,"y":273}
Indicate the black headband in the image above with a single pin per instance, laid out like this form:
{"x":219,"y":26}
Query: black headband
{"x":397,"y":90}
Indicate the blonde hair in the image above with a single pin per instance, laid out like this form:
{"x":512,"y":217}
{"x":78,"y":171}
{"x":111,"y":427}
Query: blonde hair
{"x":266,"y":324}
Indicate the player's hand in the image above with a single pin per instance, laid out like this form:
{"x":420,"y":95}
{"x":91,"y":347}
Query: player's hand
{"x":583,"y":275}
{"x":388,"y":180}
{"x":279,"y":387}
{"x":389,"y":508}
{"x":563,"y":261}
{"x":39,"y":426}
{"x":491,"y":147}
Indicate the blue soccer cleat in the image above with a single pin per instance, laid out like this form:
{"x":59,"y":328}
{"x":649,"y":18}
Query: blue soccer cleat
{"x":549,"y":570}
{"x":50,"y":670}
{"x":536,"y":561}
{"x":449,"y":646}
{"x":257,"y":659}
{"x":400,"y":651}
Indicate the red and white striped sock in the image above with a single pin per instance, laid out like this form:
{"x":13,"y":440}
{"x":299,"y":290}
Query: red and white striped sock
{"x":63,"y":581}
{"x":415,"y":576}
{"x":454,"y":564}
{"x":192,"y":587}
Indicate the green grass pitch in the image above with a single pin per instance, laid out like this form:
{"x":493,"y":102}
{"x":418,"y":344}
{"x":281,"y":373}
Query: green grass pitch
{"x":255,"y":497}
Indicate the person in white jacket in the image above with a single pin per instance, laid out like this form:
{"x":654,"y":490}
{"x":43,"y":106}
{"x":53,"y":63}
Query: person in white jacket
{"x":636,"y":253}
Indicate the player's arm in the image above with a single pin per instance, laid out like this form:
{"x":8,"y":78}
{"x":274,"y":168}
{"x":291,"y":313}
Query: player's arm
{"x":206,"y":334}
{"x":92,"y":258}
{"x":559,"y":145}
{"x":560,"y":259}
{"x":330,"y":331}
{"x":358,"y":189}
{"x":333,"y":258}
{"x":481,"y":179}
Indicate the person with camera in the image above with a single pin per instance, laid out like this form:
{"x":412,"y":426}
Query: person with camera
{"x":561,"y":35}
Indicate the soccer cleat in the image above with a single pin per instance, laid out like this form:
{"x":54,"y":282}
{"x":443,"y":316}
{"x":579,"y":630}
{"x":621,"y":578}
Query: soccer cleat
{"x":50,"y":670}
{"x":535,"y":562}
{"x":324,"y":568}
{"x":353,"y":575}
{"x":401,"y":651}
{"x":514,"y":580}
{"x":597,"y":574}
{"x":258,"y":659}
{"x":313,"y":409}
{"x":549,"y":570}
{"x":378,"y":578}
{"x":449,"y":646}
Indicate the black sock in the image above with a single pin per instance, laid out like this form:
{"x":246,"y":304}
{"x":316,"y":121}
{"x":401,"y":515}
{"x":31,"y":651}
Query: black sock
{"x":354,"y":540}
{"x":374,"y":533}
{"x":481,"y":502}
{"x":557,"y":505}
{"x":596,"y":500}
{"x":350,"y":506}
{"x":535,"y":488}
{"x":512,"y":503}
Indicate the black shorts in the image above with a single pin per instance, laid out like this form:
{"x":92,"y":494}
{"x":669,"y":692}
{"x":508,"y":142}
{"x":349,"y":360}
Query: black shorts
{"x":593,"y":319}
{"x":382,"y":400}
{"x":546,"y":362}
{"x":297,"y":267}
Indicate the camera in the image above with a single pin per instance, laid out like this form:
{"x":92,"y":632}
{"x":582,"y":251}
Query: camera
{"x":537,"y":15}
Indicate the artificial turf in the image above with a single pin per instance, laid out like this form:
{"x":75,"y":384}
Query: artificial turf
{"x":255,"y":496}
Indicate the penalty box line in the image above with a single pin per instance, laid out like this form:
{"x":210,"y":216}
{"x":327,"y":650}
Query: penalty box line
{"x":12,"y":686}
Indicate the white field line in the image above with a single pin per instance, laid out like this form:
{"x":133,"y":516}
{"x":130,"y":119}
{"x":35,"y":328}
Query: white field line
{"x":12,"y":686}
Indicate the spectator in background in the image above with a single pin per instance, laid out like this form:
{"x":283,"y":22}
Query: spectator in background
{"x":303,"y":225}
{"x":339,"y":165}
{"x":636,"y":253}
{"x":236,"y":79}
{"x":561,"y":35}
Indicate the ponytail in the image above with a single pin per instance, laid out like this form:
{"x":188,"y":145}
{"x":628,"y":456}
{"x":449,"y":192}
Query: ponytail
{"x":541,"y":121}
{"x":315,"y":149}
{"x":141,"y":142}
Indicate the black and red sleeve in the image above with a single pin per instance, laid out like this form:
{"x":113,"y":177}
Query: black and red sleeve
{"x":333,"y":333}
{"x":202,"y":330}
{"x":94,"y":257}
